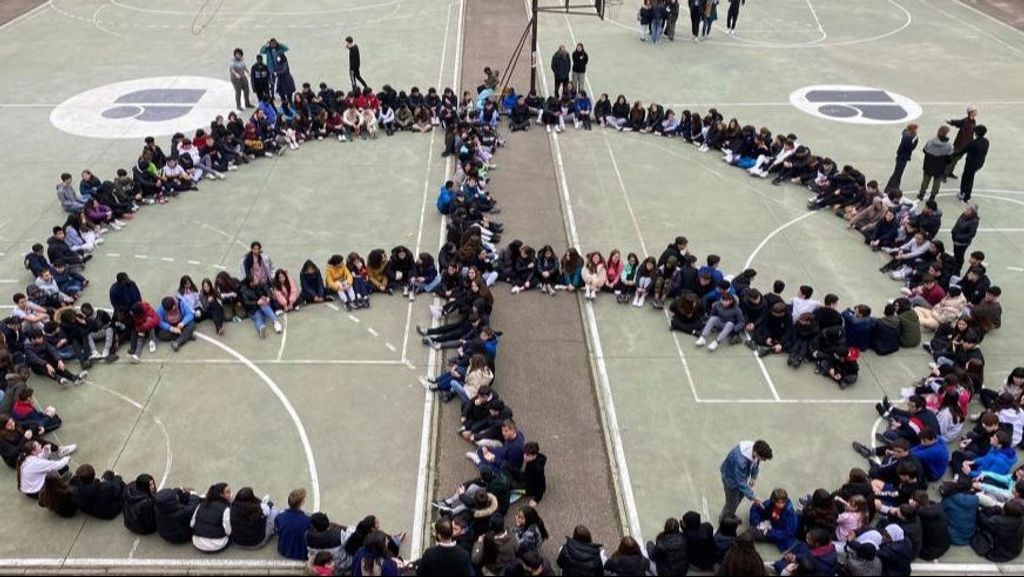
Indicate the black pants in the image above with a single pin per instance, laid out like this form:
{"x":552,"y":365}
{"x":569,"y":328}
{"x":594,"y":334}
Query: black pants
{"x":896,"y":180}
{"x":732,"y":16}
{"x":967,"y":183}
{"x":959,"y":251}
{"x":670,"y":26}
{"x":560,"y":84}
{"x":695,"y":20}
{"x":355,"y":77}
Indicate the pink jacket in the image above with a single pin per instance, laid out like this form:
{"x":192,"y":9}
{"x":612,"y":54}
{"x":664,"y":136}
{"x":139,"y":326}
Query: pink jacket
{"x":287,"y":296}
{"x":614,"y":271}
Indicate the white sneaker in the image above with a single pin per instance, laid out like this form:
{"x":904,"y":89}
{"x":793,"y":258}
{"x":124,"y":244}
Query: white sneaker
{"x":210,"y":176}
{"x":277,"y":327}
{"x":405,"y":291}
{"x":472,"y":456}
{"x":134,"y":359}
{"x":905,"y":291}
{"x":412,"y":296}
{"x":700,"y":342}
{"x":66,"y":450}
{"x":515,"y":290}
{"x":713,"y":345}
{"x":152,"y":346}
{"x":907,"y":392}
{"x":96,"y":355}
{"x":549,"y":129}
{"x":232,"y":167}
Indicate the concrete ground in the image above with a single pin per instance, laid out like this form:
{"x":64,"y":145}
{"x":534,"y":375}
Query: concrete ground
{"x":680,"y":409}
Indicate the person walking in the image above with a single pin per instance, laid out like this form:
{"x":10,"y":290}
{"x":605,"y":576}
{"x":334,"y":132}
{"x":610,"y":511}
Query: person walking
{"x":696,"y":15}
{"x":739,"y":474}
{"x":580,"y":58}
{"x":965,"y":133}
{"x":963,"y":233}
{"x":270,"y":51}
{"x":908,"y":142}
{"x":561,"y":66}
{"x":733,"y":15}
{"x":976,"y":151}
{"x":710,"y":15}
{"x":936,"y":155}
{"x":672,"y":6}
{"x":353,"y":64}
{"x":240,"y":78}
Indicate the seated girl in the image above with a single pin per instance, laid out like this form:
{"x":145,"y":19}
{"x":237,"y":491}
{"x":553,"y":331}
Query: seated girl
{"x":340,"y":282}
{"x":645,"y":281}
{"x":376,"y":271}
{"x":360,"y":278}
{"x":212,"y":305}
{"x":571,"y":267}
{"x":256,"y":300}
{"x":286,"y":294}
{"x":311,"y":283}
{"x":424,"y":277}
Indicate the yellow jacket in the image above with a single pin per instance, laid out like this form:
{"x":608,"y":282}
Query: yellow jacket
{"x":338,"y":276}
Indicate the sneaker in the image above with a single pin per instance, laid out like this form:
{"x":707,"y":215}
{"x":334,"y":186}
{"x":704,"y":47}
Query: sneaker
{"x":763,"y":352}
{"x":96,"y":355}
{"x":861,"y":450}
{"x":701,"y":341}
{"x":515,"y":290}
{"x":472,"y":456}
{"x":111,"y":358}
{"x":152,"y":346}
{"x":263,"y":333}
{"x":927,"y":347}
{"x":277,"y":327}
{"x":82,"y":376}
{"x":422,"y":331}
{"x":412,"y":296}
{"x":712,"y":345}
{"x":405,"y":291}
{"x":66,"y":450}
{"x":426,"y":384}
{"x":64,"y":382}
{"x":175,"y":346}
{"x":134,"y":359}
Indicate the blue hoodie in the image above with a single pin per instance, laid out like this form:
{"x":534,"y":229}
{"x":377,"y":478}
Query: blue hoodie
{"x":187,"y":316}
{"x":962,"y":511}
{"x":739,"y":467}
{"x":999,"y":461}
{"x":783,"y":531}
{"x":444,"y":200}
{"x":934,"y":458}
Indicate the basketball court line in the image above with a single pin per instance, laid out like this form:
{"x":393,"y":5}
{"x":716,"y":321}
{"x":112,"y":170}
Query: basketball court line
{"x":984,"y":33}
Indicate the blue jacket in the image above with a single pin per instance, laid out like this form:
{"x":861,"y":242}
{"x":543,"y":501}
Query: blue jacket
{"x":444,"y":200}
{"x":271,"y":112}
{"x":737,"y":470}
{"x":510,"y":455}
{"x":935,"y":459}
{"x":187,"y":315}
{"x":859,"y":331}
{"x":962,"y":511}
{"x":826,"y":560}
{"x":582,"y":104}
{"x":999,"y":461}
{"x":291,"y":534}
{"x":716,"y":275}
{"x":783,"y":532}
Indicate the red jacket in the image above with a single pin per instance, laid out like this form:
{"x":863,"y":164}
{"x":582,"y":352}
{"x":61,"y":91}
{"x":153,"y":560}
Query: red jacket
{"x":147,"y":321}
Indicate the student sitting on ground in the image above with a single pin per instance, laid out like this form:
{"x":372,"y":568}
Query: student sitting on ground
{"x":139,"y":513}
{"x":174,"y":508}
{"x":775,"y":522}
{"x":211,"y":522}
{"x":256,"y":300}
{"x":101,"y":498}
{"x":177,"y":322}
{"x":727,"y":319}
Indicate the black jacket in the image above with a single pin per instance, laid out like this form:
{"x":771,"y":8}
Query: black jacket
{"x":629,"y":565}
{"x":174,"y":509}
{"x":700,"y":546}
{"x":534,"y":478}
{"x":139,"y":514}
{"x":561,"y":65}
{"x":670,"y":554}
{"x":1000,"y":538}
{"x":101,"y":498}
{"x":964,"y":230}
{"x":247,"y":530}
{"x":57,"y":249}
{"x":579,"y":63}
{"x":896,"y":558}
{"x":907,"y":145}
{"x":976,"y":151}
{"x":578,"y":558}
{"x":935,"y":531}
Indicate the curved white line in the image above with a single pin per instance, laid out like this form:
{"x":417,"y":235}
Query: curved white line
{"x":314,"y":478}
{"x":772,"y":234}
{"x":169,"y":455}
{"x":96,"y":22}
{"x":248,"y":13}
{"x":284,"y":338}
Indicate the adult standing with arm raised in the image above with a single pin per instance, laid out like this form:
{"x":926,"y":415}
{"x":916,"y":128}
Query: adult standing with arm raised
{"x":739,"y":474}
{"x":908,"y":142}
{"x":580,"y":58}
{"x":561,"y":66}
{"x":965,"y":134}
{"x":270,"y":51}
{"x":354,"y":62}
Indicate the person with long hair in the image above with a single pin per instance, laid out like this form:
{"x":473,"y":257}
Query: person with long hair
{"x":530,"y":530}
{"x":211,"y":522}
{"x":668,"y":552}
{"x":56,"y":496}
{"x":374,"y":557}
{"x":284,"y":291}
{"x":229,"y":287}
{"x":36,"y":462}
{"x":252,"y":519}
{"x":742,"y":558}
{"x":212,"y":304}
{"x":594,"y":274}
{"x":628,"y":559}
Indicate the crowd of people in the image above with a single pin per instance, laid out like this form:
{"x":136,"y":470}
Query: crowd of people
{"x":877,"y":522}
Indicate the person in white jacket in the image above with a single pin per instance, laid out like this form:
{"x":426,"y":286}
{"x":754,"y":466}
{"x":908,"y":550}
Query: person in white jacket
{"x":38,"y":462}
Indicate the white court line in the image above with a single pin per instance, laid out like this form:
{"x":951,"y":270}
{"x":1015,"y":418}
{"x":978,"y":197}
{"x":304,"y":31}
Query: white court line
{"x":285,"y":362}
{"x":824,"y":35}
{"x":193,"y":262}
{"x":423,"y":466}
{"x":787,"y":401}
{"x":113,"y":254}
{"x":354,"y":319}
{"x":167,"y":259}
{"x":726,"y":105}
{"x":141,"y":256}
{"x":972,"y":27}
{"x":392,"y":348}
{"x":314,"y":477}
{"x":614,"y":432}
{"x":991,"y":230}
{"x":284,"y":339}
{"x":334,"y":307}
{"x":9,"y":281}
{"x":96,"y":21}
{"x":372,"y":332}
{"x":1015,"y":268}
{"x":30,"y":15}
{"x":169,"y":455}
{"x":991,"y":17}
{"x":256,"y":13}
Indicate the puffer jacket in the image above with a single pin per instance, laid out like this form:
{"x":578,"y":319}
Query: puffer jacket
{"x":174,"y":509}
{"x":578,"y":558}
{"x":338,"y":275}
{"x":139,"y":512}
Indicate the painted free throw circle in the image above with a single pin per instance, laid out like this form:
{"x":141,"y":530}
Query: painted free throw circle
{"x":144,"y":107}
{"x":855,"y":104}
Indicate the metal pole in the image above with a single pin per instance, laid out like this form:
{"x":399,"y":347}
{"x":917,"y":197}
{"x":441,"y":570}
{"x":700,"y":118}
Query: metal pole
{"x":533,"y":49}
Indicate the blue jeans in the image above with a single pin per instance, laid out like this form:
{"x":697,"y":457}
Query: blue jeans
{"x":657,"y":27}
{"x":262,"y":316}
{"x":460,"y":390}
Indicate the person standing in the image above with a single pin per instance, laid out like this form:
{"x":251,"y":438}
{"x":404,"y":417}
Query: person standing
{"x":963,"y":233}
{"x":976,"y":151}
{"x":908,"y":142}
{"x":696,"y":15}
{"x":936,"y":156}
{"x":965,"y":133}
{"x":658,"y":15}
{"x":733,"y":15}
{"x":580,"y":58}
{"x":260,"y":77}
{"x":240,"y":78}
{"x":673,"y":15}
{"x":710,"y":15}
{"x":561,"y":66}
{"x":270,"y":51}
{"x":353,"y":64}
{"x":739,"y":474}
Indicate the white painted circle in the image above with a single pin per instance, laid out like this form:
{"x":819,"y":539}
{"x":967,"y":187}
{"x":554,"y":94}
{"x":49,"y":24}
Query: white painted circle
{"x":855,"y":104}
{"x":144,"y":107}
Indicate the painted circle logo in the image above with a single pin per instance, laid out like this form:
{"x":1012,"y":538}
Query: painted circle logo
{"x":855,"y":104}
{"x":144,"y":107}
